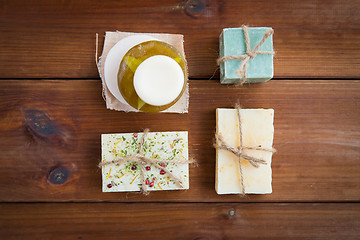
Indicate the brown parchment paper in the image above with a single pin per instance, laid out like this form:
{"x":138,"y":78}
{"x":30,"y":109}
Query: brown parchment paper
{"x":111,"y":38}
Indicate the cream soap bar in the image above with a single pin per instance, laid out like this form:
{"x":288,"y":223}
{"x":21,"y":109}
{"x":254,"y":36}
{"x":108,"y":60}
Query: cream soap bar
{"x":257,"y":131}
{"x":158,"y":145}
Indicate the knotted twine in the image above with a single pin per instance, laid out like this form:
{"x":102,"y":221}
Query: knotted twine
{"x":250,"y":54}
{"x":220,"y":143}
{"x":142,"y":161}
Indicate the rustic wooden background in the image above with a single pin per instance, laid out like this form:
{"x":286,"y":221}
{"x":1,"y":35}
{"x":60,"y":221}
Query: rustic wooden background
{"x":52,"y":115}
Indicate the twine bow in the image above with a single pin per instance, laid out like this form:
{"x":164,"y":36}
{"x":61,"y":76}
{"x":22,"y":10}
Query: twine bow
{"x":143,"y":161}
{"x":250,"y":54}
{"x":238,"y":151}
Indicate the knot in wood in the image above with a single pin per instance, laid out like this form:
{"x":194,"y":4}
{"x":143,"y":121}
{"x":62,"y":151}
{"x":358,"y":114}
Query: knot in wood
{"x":232,"y":213}
{"x":39,"y":123}
{"x":194,"y":6}
{"x":58,"y":175}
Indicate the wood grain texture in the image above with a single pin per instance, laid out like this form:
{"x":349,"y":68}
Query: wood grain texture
{"x":50,"y":140}
{"x":56,"y":39}
{"x":180,"y":221}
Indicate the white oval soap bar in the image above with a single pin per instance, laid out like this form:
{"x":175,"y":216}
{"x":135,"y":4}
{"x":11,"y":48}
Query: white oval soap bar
{"x":158,"y":80}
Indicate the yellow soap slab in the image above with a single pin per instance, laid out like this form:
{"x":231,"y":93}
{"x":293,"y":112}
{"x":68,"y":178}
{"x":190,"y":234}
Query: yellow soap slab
{"x":258,"y":131}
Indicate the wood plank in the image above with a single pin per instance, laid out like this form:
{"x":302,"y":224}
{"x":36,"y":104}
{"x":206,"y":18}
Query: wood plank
{"x":179,"y":221}
{"x":49,"y":127}
{"x":56,"y":39}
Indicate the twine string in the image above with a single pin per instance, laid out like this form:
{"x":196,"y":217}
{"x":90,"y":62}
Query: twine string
{"x":220,"y":143}
{"x":97,"y":62}
{"x":142,"y":161}
{"x":240,"y":148}
{"x":96,"y":49}
{"x":249,"y":54}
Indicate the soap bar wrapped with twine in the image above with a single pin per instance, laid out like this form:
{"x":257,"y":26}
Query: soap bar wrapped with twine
{"x":220,"y":143}
{"x":144,"y":162}
{"x":248,"y":55}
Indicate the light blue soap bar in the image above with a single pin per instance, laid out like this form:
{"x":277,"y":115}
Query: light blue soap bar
{"x":232,"y":42}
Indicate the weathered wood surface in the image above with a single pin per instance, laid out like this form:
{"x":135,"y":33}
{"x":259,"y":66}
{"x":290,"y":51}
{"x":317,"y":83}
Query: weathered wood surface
{"x":49,"y":127}
{"x":180,"y":221}
{"x":56,"y":39}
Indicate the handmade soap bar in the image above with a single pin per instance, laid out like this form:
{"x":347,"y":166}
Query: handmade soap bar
{"x":152,"y":76}
{"x":257,"y":131}
{"x":158,"y":80}
{"x":157,"y":145}
{"x":232,"y":43}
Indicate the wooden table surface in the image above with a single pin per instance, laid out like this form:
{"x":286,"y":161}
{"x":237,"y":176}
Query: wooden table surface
{"x":52,"y":115}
